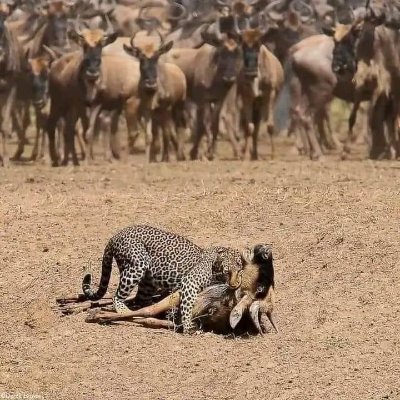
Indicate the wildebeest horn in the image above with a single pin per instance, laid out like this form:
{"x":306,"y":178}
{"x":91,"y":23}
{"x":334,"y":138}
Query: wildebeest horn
{"x":218,"y":33}
{"x":183,"y":13}
{"x":132,"y":40}
{"x":236,"y":25}
{"x":162,"y":41}
{"x":304,"y":6}
{"x":50,"y":52}
{"x":222,"y":3}
{"x":110,"y":27}
{"x":237,"y":311}
{"x":272,"y":13}
{"x":255,"y":316}
{"x":269,"y":315}
{"x":77,"y":26}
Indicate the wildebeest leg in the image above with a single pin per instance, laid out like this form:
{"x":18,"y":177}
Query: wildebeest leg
{"x":38,"y":126}
{"x":147,"y":122}
{"x":93,"y":116}
{"x":17,"y":123}
{"x":179,"y":122}
{"x":131,"y":113}
{"x":353,"y":120}
{"x":54,"y":117}
{"x":246,"y":122}
{"x":297,"y":129}
{"x":69,"y":135}
{"x":6,"y":119}
{"x":209,"y":115}
{"x":3,"y":155}
{"x":104,"y":123}
{"x":390,"y":120}
{"x":315,"y":148}
{"x":379,"y":142}
{"x":266,"y":106}
{"x":198,"y":132}
{"x":260,"y":113}
{"x":214,"y":126}
{"x":167,"y":135}
{"x":114,"y":143}
{"x":350,"y":136}
{"x":229,"y":117}
{"x":325,"y":140}
{"x":157,"y":126}
{"x":332,"y":138}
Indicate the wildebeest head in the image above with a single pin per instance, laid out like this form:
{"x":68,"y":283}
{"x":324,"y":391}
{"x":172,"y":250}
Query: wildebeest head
{"x":228,"y":54}
{"x":92,"y":42}
{"x":148,"y":56}
{"x":354,"y":36}
{"x":344,"y":53}
{"x":251,"y":42}
{"x":7,"y":7}
{"x":287,"y":22}
{"x":39,"y":68}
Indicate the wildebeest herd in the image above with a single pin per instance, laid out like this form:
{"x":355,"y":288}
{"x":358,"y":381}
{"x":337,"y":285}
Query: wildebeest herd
{"x":188,"y":70}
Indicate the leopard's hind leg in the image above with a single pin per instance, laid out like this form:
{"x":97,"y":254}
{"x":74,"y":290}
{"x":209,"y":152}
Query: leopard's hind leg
{"x":132,"y":271}
{"x":146,"y":291}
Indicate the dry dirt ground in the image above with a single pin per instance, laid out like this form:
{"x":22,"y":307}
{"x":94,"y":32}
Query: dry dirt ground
{"x":334,"y":227}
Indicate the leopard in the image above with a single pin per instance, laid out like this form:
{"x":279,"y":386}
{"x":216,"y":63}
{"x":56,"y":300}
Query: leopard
{"x":149,"y":257}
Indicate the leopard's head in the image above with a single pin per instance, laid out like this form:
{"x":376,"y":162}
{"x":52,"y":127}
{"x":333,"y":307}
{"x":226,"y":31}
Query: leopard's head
{"x":231,"y":264}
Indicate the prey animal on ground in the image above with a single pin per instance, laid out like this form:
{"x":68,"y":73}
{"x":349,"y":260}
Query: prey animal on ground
{"x":218,"y":308}
{"x":153,"y":258}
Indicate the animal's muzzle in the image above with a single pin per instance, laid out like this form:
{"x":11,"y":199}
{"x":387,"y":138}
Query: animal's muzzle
{"x":229,"y":79}
{"x":251,"y":73}
{"x":92,"y":76}
{"x":150,"y":84}
{"x":39,"y":104}
{"x":343,"y":69}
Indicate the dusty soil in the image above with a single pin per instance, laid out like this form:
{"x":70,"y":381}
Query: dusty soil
{"x":335,"y":231}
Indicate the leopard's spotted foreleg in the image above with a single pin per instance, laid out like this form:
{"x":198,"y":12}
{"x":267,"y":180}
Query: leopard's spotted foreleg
{"x":192,"y":284}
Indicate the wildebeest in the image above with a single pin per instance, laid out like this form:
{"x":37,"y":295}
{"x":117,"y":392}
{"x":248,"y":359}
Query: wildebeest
{"x":73,"y":78}
{"x":219,"y":62}
{"x":258,"y":86}
{"x":10,"y":67}
{"x":368,"y":51}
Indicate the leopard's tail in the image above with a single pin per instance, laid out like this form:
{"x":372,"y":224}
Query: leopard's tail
{"x":106,"y":267}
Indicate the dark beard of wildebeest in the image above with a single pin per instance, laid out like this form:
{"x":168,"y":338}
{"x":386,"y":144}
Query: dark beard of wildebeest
{"x":56,"y":32}
{"x":344,"y":57}
{"x":40,"y":87}
{"x":90,"y":69}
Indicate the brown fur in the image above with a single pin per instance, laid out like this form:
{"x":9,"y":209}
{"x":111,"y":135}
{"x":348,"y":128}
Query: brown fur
{"x":251,"y":37}
{"x":341,"y":32}
{"x":92,"y":38}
